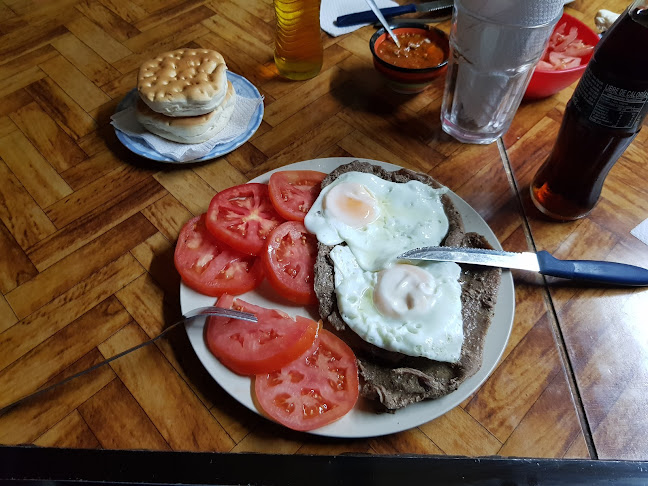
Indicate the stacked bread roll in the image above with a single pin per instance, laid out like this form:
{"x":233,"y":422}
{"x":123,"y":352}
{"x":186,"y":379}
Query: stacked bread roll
{"x":184,"y":95}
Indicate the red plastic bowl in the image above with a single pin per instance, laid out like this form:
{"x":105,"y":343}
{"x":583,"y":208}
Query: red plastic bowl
{"x":406,"y":80}
{"x":545,"y":83}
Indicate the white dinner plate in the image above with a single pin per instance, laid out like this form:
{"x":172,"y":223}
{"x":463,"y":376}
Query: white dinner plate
{"x":361,"y":421}
{"x":243,"y":88}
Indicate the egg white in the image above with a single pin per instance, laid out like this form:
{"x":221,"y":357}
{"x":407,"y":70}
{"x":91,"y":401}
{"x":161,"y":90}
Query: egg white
{"x":437,"y":335}
{"x":410,"y":215}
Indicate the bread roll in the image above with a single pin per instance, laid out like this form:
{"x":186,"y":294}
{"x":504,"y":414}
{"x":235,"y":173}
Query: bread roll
{"x":190,"y":129}
{"x":184,"y":82}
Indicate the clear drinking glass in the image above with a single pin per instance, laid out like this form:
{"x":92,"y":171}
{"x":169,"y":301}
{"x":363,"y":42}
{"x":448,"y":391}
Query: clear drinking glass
{"x":489,"y":69}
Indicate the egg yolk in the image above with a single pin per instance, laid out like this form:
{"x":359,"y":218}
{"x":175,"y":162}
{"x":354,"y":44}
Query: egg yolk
{"x":352,"y":204}
{"x":404,"y":291}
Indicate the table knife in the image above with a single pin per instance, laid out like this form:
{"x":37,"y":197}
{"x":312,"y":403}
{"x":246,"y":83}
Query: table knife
{"x":368,"y":16}
{"x":542,"y":262}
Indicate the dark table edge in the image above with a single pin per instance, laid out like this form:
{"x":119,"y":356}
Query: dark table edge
{"x":38,"y":465}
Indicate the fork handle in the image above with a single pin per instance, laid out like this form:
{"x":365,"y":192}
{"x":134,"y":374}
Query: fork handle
{"x":13,"y":404}
{"x":200,"y":312}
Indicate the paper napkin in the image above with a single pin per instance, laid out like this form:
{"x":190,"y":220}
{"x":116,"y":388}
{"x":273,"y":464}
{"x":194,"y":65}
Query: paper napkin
{"x":641,"y":231}
{"x":244,"y":109}
{"x":331,"y":9}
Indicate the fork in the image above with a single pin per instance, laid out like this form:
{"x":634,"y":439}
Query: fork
{"x":189,"y":316}
{"x":212,"y":310}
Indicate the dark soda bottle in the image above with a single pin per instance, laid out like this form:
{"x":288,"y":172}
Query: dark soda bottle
{"x":602,"y":118}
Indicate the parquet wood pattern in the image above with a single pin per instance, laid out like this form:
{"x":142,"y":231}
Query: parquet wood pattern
{"x":87,"y":233}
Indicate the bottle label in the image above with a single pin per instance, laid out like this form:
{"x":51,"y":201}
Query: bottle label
{"x":608,"y":105}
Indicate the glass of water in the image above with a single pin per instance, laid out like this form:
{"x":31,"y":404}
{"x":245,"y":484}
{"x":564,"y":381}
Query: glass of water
{"x":491,"y":63}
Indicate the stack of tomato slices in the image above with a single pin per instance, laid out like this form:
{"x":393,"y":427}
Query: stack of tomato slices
{"x":304,"y":377}
{"x":251,"y":231}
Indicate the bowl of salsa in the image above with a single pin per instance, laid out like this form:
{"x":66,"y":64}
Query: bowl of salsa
{"x":421,"y":57}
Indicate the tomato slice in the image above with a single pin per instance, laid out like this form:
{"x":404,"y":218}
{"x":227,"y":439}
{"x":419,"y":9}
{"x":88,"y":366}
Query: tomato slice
{"x":562,"y":61}
{"x":544,"y":65}
{"x":243,"y":217}
{"x":564,"y":50}
{"x":289,"y":261}
{"x":211,"y":267}
{"x":579,"y":49}
{"x":293,"y":192}
{"x":250,"y":348}
{"x":314,"y":390}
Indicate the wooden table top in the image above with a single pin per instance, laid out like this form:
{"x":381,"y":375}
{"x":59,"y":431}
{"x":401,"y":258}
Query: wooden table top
{"x":88,"y":229}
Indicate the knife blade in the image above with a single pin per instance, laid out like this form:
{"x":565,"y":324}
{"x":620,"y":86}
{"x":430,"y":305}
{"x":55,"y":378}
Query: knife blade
{"x":368,"y":16}
{"x":542,"y":262}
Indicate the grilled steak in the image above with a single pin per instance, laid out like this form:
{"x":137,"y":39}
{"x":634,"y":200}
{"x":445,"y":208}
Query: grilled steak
{"x":392,"y":379}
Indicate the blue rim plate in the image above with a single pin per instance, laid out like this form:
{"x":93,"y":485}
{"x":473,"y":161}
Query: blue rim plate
{"x":243,"y":88}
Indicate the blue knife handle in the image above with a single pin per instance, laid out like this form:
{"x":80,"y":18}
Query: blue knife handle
{"x":592,"y":270}
{"x":369,"y":17}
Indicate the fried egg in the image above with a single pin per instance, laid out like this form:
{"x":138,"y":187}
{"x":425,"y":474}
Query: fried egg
{"x":377,"y":219}
{"x":410,"y":309}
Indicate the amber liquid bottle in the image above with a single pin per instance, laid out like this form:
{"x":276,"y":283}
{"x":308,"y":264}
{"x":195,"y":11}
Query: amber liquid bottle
{"x":298,"y":42}
{"x":601,"y":120}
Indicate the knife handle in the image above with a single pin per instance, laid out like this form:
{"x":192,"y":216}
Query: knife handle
{"x":592,"y":270}
{"x":368,"y":16}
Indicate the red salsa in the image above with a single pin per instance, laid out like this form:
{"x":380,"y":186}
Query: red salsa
{"x":416,"y":51}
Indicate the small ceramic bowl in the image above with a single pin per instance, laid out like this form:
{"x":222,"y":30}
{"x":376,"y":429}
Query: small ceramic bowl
{"x":545,"y":83}
{"x":409,"y":80}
